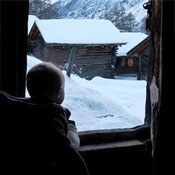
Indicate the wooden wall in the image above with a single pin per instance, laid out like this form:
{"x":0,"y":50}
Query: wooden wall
{"x":144,"y":56}
{"x":122,"y":68}
{"x":159,"y":87}
{"x":140,"y":64}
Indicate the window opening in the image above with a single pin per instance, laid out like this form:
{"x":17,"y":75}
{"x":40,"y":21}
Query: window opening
{"x":130,"y":62}
{"x":102,"y":92}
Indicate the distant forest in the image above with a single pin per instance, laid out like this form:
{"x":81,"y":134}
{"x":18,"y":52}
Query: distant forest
{"x":43,"y":9}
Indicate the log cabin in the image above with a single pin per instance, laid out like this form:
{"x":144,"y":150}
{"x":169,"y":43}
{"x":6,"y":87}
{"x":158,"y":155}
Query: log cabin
{"x":132,"y":58}
{"x":145,"y":150}
{"x":142,"y":53}
{"x":94,"y":43}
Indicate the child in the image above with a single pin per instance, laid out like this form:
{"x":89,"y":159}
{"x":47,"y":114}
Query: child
{"x":45,"y":84}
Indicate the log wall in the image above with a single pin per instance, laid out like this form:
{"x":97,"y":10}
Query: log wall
{"x":122,"y":68}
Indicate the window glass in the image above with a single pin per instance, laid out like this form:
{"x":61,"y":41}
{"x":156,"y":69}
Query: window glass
{"x":98,"y":95}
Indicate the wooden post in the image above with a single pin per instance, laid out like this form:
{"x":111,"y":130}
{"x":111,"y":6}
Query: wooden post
{"x":70,"y":61}
{"x":140,"y":67}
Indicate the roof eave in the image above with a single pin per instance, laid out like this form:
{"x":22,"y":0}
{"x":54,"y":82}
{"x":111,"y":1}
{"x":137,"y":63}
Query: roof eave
{"x":84,"y":44}
{"x":134,"y":49}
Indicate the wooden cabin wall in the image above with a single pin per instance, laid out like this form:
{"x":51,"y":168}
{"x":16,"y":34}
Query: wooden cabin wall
{"x":93,"y":61}
{"x":122,"y":68}
{"x":144,"y":56}
{"x":89,"y":61}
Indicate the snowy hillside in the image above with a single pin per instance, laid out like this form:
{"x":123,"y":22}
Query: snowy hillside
{"x":136,"y":8}
{"x":103,"y":103}
{"x":96,"y":8}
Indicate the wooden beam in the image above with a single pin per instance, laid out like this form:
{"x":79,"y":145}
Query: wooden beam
{"x":70,"y":61}
{"x":33,"y":33}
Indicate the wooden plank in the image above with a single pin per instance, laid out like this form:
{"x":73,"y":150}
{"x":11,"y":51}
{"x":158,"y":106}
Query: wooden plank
{"x":113,"y":145}
{"x":70,"y":61}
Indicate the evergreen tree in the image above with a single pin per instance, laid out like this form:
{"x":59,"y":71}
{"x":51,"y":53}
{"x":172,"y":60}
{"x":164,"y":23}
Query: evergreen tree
{"x":41,"y":8}
{"x":106,"y":14}
{"x":117,"y":15}
{"x":34,"y":7}
{"x":143,"y":26}
{"x":130,"y":24}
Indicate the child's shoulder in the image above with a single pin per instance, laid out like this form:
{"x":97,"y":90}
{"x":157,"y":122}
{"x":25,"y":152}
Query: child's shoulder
{"x":65,"y":111}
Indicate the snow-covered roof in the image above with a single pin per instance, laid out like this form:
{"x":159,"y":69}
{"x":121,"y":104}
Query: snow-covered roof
{"x":79,"y":31}
{"x":31,"y":20}
{"x":133,"y":39}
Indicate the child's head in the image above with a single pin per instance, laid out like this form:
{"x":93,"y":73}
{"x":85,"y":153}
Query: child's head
{"x":46,"y":82}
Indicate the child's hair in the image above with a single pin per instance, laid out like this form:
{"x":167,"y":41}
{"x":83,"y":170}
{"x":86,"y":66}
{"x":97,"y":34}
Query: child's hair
{"x":45,"y":81}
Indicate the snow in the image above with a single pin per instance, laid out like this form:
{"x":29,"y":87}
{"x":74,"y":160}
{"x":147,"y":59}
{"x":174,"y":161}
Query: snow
{"x":31,"y":61}
{"x":103,"y":103}
{"x":31,"y":20}
{"x":53,"y":1}
{"x":79,"y":31}
{"x":133,"y":39}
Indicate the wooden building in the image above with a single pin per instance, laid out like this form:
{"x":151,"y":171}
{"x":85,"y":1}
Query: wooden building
{"x":141,"y":53}
{"x":94,"y":43}
{"x":132,"y":60}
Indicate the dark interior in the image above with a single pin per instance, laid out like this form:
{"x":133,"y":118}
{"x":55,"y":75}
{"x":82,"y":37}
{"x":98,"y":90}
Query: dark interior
{"x":143,"y":150}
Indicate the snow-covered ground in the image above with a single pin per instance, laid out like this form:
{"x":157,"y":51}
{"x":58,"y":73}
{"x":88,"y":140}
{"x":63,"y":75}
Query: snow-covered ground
{"x":103,"y":103}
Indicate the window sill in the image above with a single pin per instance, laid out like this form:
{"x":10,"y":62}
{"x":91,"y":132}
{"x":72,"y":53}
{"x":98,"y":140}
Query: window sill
{"x":114,"y":145}
{"x":114,"y":135}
